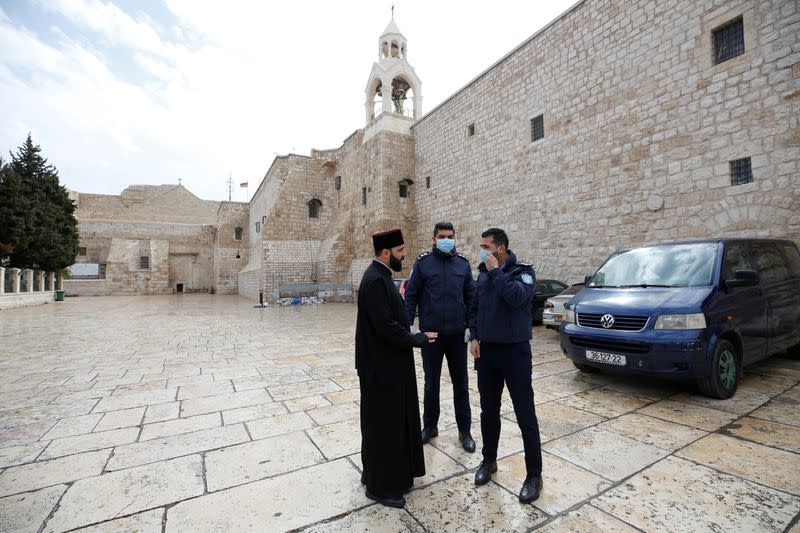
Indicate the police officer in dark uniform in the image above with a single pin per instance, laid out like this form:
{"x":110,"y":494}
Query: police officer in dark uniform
{"x":441,"y":286}
{"x":500,"y":333}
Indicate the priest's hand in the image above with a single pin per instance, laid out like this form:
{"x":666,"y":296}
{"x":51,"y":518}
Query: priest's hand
{"x":475,"y":348}
{"x":431,"y":336}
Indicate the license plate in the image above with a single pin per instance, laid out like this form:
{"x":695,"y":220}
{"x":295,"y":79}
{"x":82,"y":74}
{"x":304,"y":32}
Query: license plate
{"x":607,"y":358}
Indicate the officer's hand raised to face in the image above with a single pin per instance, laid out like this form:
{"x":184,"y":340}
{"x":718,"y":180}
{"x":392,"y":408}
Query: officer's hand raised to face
{"x":431,"y":336}
{"x":475,"y":348}
{"x":491,"y":262}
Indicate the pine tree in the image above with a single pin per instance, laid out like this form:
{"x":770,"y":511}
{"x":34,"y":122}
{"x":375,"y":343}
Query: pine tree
{"x":37,"y":222}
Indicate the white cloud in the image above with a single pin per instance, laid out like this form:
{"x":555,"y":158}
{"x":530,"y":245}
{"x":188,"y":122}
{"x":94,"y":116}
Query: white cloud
{"x":258,"y":78}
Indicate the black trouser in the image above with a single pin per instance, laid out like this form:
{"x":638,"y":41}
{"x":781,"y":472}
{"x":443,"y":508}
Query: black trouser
{"x":509,"y":363}
{"x":455,"y":349}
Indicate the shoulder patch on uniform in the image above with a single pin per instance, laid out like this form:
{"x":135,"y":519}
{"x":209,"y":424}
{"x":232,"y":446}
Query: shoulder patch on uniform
{"x":527,"y":279}
{"x":423,"y":254}
{"x":462,"y":256}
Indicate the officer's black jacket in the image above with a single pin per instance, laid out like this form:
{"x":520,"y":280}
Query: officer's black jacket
{"x":441,"y":286}
{"x":501,"y":308}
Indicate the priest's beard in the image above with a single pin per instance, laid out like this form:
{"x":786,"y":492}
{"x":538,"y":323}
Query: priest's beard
{"x":395,"y":263}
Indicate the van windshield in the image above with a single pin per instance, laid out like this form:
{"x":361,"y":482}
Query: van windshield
{"x":676,"y":265}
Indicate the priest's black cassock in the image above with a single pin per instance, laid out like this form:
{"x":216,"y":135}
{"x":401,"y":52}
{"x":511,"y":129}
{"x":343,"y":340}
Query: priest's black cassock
{"x":391,"y":445}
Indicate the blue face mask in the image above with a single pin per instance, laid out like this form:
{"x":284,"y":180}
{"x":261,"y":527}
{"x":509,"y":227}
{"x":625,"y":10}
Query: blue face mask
{"x":445,"y":245}
{"x":485,"y":255}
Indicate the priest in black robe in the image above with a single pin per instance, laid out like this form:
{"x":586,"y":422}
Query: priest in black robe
{"x":391,"y":443}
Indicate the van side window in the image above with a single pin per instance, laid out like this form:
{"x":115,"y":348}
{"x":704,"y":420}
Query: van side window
{"x":770,"y":262}
{"x":792,"y":258}
{"x":736,"y":259}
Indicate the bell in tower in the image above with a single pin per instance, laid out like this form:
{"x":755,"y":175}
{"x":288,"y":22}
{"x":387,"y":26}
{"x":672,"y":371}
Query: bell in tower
{"x":393,"y":92}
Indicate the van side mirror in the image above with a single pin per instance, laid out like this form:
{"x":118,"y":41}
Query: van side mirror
{"x":587,"y":279}
{"x":743,"y":278}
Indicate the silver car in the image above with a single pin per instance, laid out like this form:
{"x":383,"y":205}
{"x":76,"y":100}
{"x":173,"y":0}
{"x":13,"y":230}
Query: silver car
{"x":554,"y":306}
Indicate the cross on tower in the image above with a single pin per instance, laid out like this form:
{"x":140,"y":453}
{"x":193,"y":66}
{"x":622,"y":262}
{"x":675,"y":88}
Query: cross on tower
{"x":392,"y":10}
{"x":179,"y":181}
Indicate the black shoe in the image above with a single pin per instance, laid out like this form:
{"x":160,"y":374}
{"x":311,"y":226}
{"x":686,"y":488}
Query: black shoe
{"x":429,"y":433}
{"x":484,"y":473}
{"x":530,"y":489}
{"x":467,"y":442}
{"x":397,"y":502}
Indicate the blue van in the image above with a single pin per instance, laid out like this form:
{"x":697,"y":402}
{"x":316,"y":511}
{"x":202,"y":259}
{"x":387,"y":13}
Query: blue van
{"x":698,"y":310}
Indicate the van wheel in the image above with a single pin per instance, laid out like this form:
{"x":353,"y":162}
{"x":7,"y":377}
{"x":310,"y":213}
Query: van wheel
{"x":722,"y":381}
{"x":586,"y":368}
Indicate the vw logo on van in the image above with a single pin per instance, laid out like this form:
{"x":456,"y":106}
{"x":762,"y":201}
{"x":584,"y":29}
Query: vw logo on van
{"x":607,"y":321}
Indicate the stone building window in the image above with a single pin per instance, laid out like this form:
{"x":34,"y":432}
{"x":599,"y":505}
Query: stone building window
{"x":728,"y":40}
{"x":258,"y":227}
{"x":471,"y":130}
{"x":741,"y":171}
{"x":237,"y":234}
{"x":363,"y":196}
{"x":404,"y":187}
{"x":337,"y":183}
{"x":144,"y":262}
{"x":537,"y":128}
{"x":427,"y":182}
{"x":82,"y":251}
{"x":314,"y":206}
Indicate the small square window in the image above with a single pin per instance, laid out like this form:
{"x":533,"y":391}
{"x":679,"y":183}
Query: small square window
{"x":728,"y":40}
{"x":82,"y":251}
{"x":144,"y":262}
{"x":471,"y":130}
{"x":363,"y":196}
{"x":537,"y":128}
{"x":337,"y":183}
{"x":403,"y":190}
{"x":741,"y":171}
{"x":237,"y":234}
{"x":427,"y":182}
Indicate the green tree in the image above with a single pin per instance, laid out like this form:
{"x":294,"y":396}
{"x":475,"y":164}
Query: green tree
{"x":37,"y":222}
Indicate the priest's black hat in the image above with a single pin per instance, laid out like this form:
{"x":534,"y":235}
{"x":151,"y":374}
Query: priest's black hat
{"x":386,"y":240}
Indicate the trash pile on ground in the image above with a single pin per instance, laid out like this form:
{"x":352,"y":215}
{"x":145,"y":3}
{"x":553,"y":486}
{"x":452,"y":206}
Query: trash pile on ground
{"x":304,"y":300}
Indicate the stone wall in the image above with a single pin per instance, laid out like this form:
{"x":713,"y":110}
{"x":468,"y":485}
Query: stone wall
{"x":231,"y":215}
{"x":174,"y":229}
{"x":639,"y":129}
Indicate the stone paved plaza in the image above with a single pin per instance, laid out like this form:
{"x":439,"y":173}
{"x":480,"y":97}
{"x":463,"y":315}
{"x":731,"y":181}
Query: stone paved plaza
{"x":201,"y":413}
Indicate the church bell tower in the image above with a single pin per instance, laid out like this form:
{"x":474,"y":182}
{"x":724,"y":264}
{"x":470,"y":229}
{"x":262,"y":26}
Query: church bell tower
{"x":393,"y":92}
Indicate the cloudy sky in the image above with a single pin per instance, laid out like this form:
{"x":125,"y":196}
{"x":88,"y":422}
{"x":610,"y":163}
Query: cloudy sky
{"x":122,"y":92}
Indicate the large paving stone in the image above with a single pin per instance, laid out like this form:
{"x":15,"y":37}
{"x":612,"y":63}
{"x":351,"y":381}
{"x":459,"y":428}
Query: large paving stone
{"x":264,"y":458}
{"x":211,"y":404}
{"x":603,"y":452}
{"x":92,"y":441}
{"x":42,"y":474}
{"x":677,"y":495}
{"x":15,"y":455}
{"x":25,"y":513}
{"x":151,"y":451}
{"x":775,"y":468}
{"x":276,"y":504}
{"x":563,"y":484}
{"x":764,"y":432}
{"x":457,"y":505}
{"x":129,"y":491}
{"x":177,"y":426}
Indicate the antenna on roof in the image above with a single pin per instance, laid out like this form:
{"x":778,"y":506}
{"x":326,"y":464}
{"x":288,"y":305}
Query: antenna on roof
{"x":230,"y":186}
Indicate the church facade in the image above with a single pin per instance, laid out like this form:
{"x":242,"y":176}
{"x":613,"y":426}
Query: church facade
{"x":620,"y":123}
